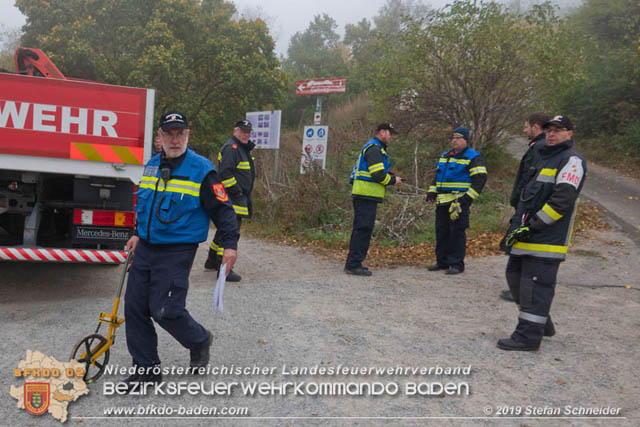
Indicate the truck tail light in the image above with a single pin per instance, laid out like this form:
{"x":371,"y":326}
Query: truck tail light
{"x":106,"y":218}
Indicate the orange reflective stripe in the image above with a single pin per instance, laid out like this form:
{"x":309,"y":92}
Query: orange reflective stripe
{"x":106,"y":153}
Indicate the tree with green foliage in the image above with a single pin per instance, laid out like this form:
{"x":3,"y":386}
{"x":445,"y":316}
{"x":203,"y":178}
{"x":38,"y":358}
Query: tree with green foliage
{"x":472,"y":62}
{"x":192,"y":52}
{"x":606,"y":97}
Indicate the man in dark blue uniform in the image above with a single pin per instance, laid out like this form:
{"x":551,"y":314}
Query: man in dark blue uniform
{"x":533,"y":130}
{"x":459,"y":179}
{"x":238,"y":173}
{"x":178,"y":194}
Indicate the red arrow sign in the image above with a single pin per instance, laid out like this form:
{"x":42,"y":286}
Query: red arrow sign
{"x":321,"y":86}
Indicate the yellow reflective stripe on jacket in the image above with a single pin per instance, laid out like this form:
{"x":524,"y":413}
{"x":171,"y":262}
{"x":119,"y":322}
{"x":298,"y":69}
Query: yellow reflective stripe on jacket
{"x":243,"y":165}
{"x":432,"y":189}
{"x":376,"y":167}
{"x":241,"y":210}
{"x":454,"y":184}
{"x":548,"y":215}
{"x":368,"y":188}
{"x":477,"y":170}
{"x":218,"y":249}
{"x":548,"y":172}
{"x":174,"y":186}
{"x":539,"y":249}
{"x":363,"y":173}
{"x":229,"y":182}
{"x":454,"y":160}
{"x":386,"y":180}
{"x":443,"y":198}
{"x":473,"y":193}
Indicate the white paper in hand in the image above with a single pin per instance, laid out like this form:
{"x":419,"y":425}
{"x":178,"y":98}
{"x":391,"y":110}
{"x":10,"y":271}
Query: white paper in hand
{"x":217,"y":293}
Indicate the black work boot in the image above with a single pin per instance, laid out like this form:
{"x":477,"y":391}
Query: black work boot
{"x":233,"y":277}
{"x":507,"y":296}
{"x":510,"y":344}
{"x":437,"y":267}
{"x":212,"y":261}
{"x":200,"y":358}
{"x":549,"y":328}
{"x":358,"y":271}
{"x":135,"y":382}
{"x":526,"y":337}
{"x":453,"y":270}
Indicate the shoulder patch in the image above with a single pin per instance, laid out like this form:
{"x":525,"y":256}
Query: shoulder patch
{"x":572,"y":173}
{"x":221,"y":194}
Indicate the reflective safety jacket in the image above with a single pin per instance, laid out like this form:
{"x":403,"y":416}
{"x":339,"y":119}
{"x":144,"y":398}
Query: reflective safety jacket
{"x":459,"y":176}
{"x":169,"y":212}
{"x":549,"y":201}
{"x":237,"y":172}
{"x":370,"y":174}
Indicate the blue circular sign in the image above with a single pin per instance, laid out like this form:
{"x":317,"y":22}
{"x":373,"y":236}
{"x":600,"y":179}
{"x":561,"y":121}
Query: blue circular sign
{"x":321,"y":133}
{"x":309,"y":132}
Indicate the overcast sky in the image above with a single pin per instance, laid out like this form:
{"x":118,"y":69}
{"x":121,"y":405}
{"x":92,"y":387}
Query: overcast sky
{"x":284,"y":17}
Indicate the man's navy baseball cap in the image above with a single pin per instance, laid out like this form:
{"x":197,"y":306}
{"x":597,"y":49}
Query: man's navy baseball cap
{"x":386,"y":126}
{"x":244,"y":125}
{"x":173,"y":120}
{"x":560,"y":121}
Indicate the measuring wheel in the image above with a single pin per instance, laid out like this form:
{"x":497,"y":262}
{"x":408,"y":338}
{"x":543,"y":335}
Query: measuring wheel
{"x":85,"y":350}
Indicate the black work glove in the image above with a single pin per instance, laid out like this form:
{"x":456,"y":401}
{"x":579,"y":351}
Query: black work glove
{"x":431,"y":196}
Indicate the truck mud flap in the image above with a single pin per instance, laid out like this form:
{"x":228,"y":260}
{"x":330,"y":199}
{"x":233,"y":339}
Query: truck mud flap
{"x":12,"y":253}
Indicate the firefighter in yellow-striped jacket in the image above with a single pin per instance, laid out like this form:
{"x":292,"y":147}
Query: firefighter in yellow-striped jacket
{"x":539,"y":234}
{"x":459,"y":179}
{"x":237,"y":173}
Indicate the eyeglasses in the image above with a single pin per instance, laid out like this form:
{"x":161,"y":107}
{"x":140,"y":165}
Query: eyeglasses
{"x":180,"y":135}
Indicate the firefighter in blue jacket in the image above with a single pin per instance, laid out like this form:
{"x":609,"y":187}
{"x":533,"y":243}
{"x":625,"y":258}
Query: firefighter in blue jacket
{"x":539,"y":234}
{"x":370,"y":177}
{"x":459,"y":179}
{"x":178,"y":194}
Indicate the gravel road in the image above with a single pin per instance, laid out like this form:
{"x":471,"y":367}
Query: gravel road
{"x":294,"y":309}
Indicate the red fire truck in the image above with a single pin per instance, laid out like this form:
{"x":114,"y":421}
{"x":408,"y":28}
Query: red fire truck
{"x":71,"y":152}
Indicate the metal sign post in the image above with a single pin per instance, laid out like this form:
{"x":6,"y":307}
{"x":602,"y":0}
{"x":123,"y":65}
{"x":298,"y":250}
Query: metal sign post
{"x":314,"y":143}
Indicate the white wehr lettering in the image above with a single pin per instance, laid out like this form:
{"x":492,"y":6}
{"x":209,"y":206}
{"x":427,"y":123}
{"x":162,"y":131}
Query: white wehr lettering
{"x":53,"y":118}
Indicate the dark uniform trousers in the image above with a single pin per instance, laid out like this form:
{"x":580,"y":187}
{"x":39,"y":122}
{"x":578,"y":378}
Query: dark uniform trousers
{"x":532,"y":282}
{"x":364,"y":218}
{"x":157,"y":289}
{"x":451,"y":238}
